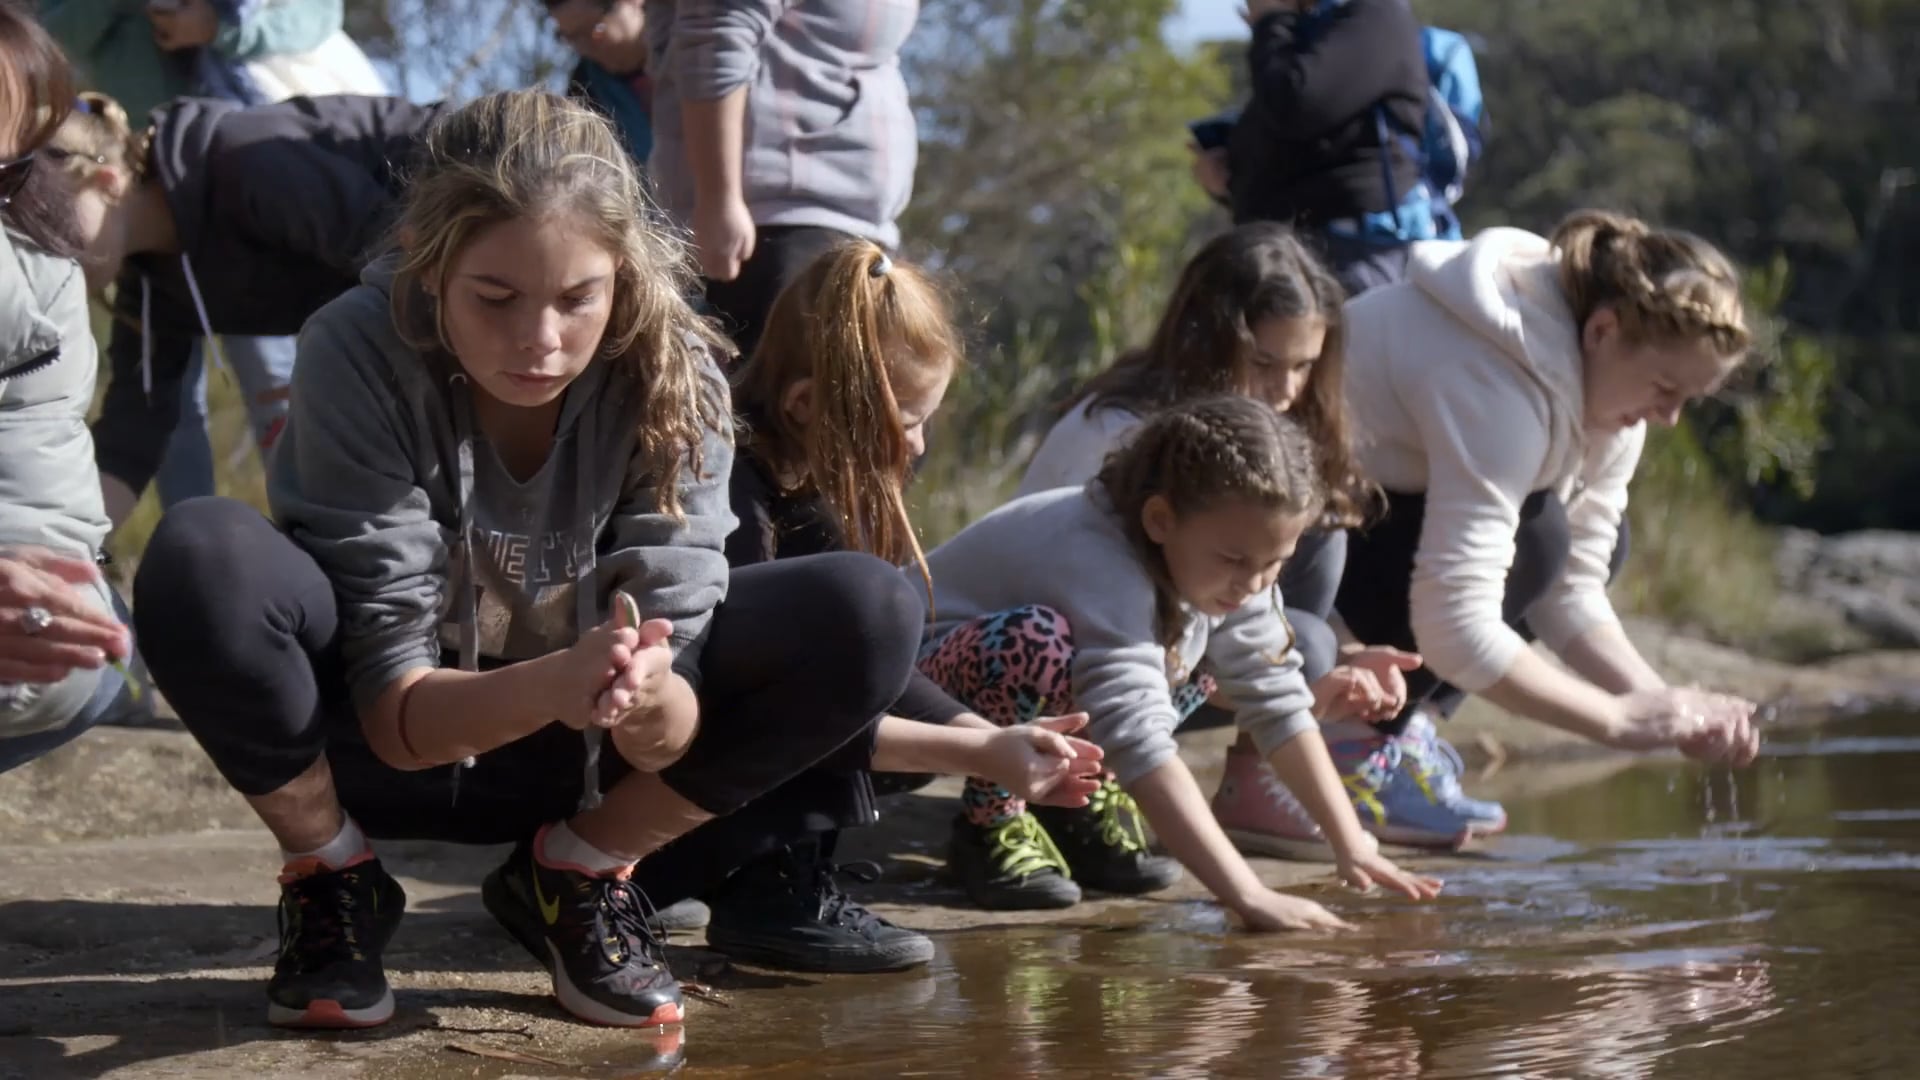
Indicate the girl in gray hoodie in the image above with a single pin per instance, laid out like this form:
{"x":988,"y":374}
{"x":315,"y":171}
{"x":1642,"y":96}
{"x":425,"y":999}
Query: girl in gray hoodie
{"x":496,"y":607}
{"x":1135,"y":598}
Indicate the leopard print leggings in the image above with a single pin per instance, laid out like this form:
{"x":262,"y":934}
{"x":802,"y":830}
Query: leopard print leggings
{"x":1013,"y":667}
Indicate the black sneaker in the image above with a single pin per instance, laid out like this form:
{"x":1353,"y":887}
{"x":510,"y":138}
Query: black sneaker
{"x":334,"y":924}
{"x":591,"y":935}
{"x":785,"y":910}
{"x":1012,"y":866}
{"x":1105,"y":844}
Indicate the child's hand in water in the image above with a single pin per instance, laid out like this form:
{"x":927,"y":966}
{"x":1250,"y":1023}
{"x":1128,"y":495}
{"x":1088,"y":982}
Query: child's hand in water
{"x":1042,"y":762}
{"x":1389,"y":667}
{"x":1270,"y":910}
{"x":1348,"y":691}
{"x":1364,"y":867}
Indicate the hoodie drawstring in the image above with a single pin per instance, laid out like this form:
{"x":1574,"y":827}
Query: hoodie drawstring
{"x":469,"y":614}
{"x":586,"y":592}
{"x":215,"y":356}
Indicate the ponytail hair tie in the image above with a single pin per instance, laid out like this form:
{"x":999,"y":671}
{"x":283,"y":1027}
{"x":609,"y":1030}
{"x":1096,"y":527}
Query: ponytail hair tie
{"x":880,"y":266}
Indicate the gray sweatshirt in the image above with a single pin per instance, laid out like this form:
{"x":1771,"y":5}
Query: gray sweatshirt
{"x":830,"y":138}
{"x":49,"y":490}
{"x":381,"y":470}
{"x":1063,"y":549}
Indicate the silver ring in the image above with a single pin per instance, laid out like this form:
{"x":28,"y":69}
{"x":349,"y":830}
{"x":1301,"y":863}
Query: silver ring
{"x":34,"y":620}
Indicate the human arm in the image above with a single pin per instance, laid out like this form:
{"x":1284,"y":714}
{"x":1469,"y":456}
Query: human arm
{"x":1485,"y":444}
{"x":1176,"y":809}
{"x":1260,"y":673}
{"x":343,"y":485}
{"x":674,"y":571}
{"x":713,"y":52}
{"x":1576,"y":618}
{"x":1040,"y":761}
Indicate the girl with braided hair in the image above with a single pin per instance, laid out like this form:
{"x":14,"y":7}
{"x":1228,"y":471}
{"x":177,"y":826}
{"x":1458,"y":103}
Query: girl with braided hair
{"x":1134,"y":599}
{"x":1257,"y":313}
{"x":1502,"y":395}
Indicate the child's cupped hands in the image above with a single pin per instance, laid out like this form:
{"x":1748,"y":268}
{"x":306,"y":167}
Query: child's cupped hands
{"x":1042,"y":762}
{"x":616,"y":669}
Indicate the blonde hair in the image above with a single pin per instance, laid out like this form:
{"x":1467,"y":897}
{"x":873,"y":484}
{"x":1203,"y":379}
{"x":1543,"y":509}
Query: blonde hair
{"x":1666,"y":286}
{"x":527,"y":154}
{"x":1197,"y":455}
{"x":97,"y":135}
{"x":864,"y":328}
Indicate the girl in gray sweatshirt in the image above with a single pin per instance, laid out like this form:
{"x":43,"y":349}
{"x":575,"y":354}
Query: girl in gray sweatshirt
{"x":1136,"y":598}
{"x":496,"y":607}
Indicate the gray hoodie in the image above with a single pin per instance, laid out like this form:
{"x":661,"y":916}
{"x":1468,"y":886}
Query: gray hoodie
{"x":830,"y":135}
{"x":381,"y":470}
{"x":1063,"y":549}
{"x":49,"y":491}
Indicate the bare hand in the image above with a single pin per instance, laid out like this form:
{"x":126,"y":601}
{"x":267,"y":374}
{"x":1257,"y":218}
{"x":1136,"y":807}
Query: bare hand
{"x":1366,"y":868}
{"x":724,"y":235}
{"x":1041,"y":762}
{"x":191,"y":25}
{"x":80,"y":635}
{"x":1269,"y":910}
{"x":1701,"y":724}
{"x":1349,"y":692}
{"x":1389,"y":667}
{"x":1210,"y":170}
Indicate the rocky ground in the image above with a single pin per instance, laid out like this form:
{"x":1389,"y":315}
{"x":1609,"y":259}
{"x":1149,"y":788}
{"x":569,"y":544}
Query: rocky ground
{"x":1866,"y":582}
{"x":136,"y":923}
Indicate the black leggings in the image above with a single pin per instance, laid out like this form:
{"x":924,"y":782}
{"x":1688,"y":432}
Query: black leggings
{"x":247,"y":652}
{"x":1375,"y":592}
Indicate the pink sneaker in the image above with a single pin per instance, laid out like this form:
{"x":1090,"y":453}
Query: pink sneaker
{"x":1260,"y":815}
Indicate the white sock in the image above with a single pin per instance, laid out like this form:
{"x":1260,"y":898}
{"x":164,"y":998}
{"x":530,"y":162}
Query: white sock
{"x":563,"y":845}
{"x":347,"y":845}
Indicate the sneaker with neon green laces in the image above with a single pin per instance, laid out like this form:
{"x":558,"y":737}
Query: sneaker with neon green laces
{"x":1105,"y":844}
{"x":1012,"y":866}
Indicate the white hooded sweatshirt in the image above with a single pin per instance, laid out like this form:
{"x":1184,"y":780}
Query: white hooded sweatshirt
{"x":1465,"y":382}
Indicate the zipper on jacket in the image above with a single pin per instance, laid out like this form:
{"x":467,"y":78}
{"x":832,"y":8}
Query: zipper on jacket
{"x":28,"y":367}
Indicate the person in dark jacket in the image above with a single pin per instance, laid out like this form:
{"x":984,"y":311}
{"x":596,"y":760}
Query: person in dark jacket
{"x":610,"y":37}
{"x":1329,"y":140}
{"x":222,"y":219}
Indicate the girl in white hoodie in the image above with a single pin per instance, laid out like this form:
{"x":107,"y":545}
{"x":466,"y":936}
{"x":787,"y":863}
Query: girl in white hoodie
{"x":1501,"y":396}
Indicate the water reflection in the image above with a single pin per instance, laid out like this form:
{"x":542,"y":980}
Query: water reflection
{"x":1662,"y":922}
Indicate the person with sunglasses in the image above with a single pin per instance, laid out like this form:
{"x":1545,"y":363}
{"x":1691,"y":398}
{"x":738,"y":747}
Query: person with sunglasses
{"x":59,"y":634}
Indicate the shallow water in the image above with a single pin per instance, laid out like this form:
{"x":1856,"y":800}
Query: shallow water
{"x":1669,"y":921}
